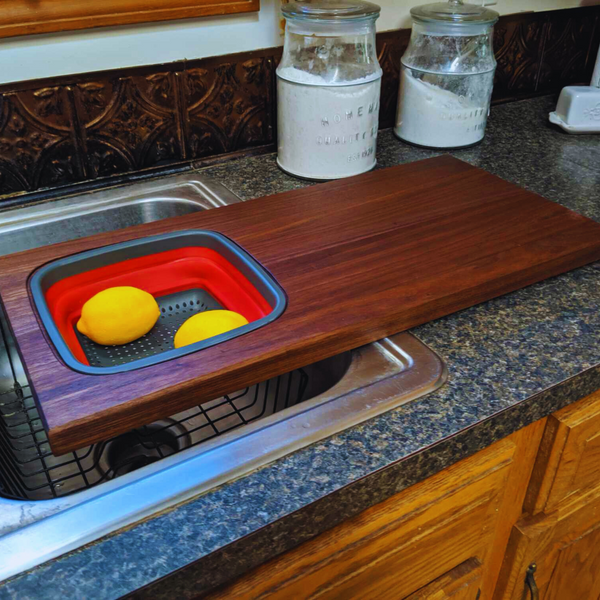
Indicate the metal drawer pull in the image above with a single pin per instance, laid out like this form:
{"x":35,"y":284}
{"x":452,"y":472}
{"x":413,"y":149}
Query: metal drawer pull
{"x":530,"y":582}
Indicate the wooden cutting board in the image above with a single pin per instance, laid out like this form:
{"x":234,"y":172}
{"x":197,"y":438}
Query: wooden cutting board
{"x":359,"y":259}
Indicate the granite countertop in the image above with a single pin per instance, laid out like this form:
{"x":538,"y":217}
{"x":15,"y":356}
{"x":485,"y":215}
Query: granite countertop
{"x":511,"y":361}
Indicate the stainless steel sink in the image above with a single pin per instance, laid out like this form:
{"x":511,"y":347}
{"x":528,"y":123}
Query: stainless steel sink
{"x":50,"y":504}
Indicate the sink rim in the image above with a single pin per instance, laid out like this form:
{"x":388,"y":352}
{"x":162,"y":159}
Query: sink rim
{"x":189,"y":188}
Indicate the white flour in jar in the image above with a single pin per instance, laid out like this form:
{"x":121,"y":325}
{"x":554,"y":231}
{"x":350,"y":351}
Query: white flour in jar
{"x":325,"y":130}
{"x":431,"y":116}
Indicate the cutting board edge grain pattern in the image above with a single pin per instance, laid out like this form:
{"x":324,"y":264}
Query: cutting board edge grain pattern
{"x":359,"y":259}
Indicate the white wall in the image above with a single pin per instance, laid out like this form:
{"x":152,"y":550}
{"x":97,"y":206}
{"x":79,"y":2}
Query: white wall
{"x":33,"y":57}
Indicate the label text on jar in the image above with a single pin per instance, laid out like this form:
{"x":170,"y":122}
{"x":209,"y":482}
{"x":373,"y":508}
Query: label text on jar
{"x":336,"y":140}
{"x":364,"y":154}
{"x":350,"y":114}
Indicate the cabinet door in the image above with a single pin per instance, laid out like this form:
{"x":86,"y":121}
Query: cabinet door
{"x":569,"y":459}
{"x":403,"y":545}
{"x":565,"y":546}
{"x":577,"y":572}
{"x":24,"y":17}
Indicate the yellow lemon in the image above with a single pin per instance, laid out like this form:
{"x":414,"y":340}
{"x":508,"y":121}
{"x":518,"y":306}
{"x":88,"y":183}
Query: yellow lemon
{"x":207,"y":324}
{"x":118,"y":315}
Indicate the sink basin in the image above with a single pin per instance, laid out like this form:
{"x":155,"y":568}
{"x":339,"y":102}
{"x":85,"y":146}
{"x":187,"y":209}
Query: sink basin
{"x":53,"y":504}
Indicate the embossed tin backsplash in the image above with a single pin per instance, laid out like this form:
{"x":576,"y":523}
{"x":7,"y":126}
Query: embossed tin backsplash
{"x":84,"y":127}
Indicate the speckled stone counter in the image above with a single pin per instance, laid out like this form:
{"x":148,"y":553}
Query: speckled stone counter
{"x":511,"y":361}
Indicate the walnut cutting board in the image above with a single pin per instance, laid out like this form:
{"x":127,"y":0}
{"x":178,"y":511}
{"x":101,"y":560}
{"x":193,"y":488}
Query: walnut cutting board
{"x":359,"y":259}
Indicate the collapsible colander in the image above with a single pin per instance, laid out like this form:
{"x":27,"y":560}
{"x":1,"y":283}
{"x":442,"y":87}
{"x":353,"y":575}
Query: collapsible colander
{"x":186,"y":271}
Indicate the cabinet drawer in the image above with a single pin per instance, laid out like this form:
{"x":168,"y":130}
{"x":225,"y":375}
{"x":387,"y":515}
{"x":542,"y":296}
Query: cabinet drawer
{"x":462,"y":583}
{"x":569,"y":458}
{"x":395,"y":548}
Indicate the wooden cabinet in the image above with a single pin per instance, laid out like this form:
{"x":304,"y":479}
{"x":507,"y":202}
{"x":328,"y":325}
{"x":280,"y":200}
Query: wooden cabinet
{"x":560,"y":530}
{"x":569,"y":458}
{"x":468,"y":533}
{"x":23,"y":17}
{"x":564,"y":545}
{"x":434,"y":540}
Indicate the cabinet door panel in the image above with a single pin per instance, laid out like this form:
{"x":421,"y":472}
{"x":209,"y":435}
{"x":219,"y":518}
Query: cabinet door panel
{"x":399,"y":546}
{"x":565,"y":545}
{"x":577,"y":572}
{"x":23,"y":17}
{"x":569,"y":458}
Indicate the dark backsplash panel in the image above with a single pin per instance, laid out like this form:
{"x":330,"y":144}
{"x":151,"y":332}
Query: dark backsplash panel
{"x":78,"y":128}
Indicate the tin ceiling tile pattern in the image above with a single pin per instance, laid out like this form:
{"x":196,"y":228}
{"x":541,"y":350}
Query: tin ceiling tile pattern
{"x":390,"y":48}
{"x":518,"y":43}
{"x":129,"y":123}
{"x":37,"y":145}
{"x":228,"y":106}
{"x":571,"y":46}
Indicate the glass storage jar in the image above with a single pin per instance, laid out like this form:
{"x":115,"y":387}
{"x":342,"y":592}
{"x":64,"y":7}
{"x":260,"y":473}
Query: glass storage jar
{"x":447,"y":75}
{"x":328,"y":86}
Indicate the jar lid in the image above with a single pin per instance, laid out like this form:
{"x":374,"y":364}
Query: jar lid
{"x":455,"y":12}
{"x":336,"y":10}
